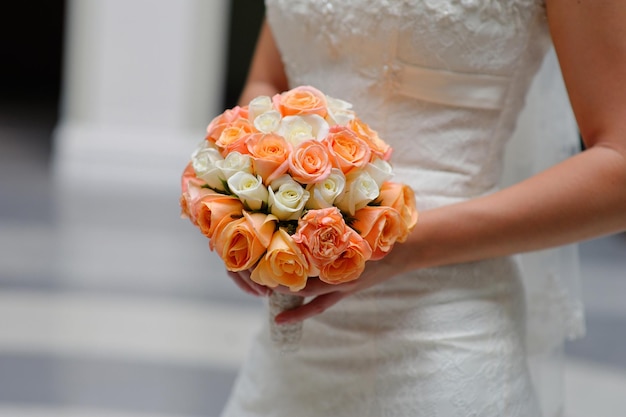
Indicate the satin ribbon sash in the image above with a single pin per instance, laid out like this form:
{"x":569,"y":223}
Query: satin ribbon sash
{"x":451,"y":88}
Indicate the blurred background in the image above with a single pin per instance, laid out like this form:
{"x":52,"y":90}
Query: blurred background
{"x":110,"y":304}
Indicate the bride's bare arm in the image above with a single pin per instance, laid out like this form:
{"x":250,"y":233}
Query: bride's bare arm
{"x":581,"y":198}
{"x":267,"y":74}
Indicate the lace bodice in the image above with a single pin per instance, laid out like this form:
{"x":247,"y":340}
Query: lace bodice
{"x":441,"y":80}
{"x":457,"y":35}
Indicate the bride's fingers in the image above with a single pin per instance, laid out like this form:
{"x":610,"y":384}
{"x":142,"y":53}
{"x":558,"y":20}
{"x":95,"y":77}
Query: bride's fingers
{"x":242,"y":280}
{"x":315,"y":287}
{"x":241,"y":283}
{"x":314,"y":307}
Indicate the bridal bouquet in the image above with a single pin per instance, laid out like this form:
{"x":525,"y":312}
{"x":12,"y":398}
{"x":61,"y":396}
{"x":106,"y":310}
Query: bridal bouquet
{"x":292,"y":187}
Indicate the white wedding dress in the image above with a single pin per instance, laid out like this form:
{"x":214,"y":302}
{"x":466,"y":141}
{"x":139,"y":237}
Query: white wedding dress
{"x":444,"y":82}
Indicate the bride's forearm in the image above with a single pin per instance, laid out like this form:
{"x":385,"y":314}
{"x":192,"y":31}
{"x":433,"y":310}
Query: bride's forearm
{"x":581,"y":198}
{"x":267,"y":74}
{"x":255,"y":89}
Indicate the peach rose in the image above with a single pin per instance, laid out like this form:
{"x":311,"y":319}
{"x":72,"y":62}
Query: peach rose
{"x":283,"y":264}
{"x":269,"y":154}
{"x":378,"y":146}
{"x":301,"y":101}
{"x":402,"y":198}
{"x":242,"y":242}
{"x":381,"y":227}
{"x":310,"y":162}
{"x":323,"y":235}
{"x":219,"y":123}
{"x":349,"y":151}
{"x":350,"y":264}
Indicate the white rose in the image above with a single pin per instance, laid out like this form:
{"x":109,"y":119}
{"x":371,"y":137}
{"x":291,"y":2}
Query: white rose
{"x":268,"y":122}
{"x":323,"y":193}
{"x":297,"y":129}
{"x":380,"y":170}
{"x":339,"y":111}
{"x":233,"y":163}
{"x":319,"y":125}
{"x":360,"y":190}
{"x":204,"y":161}
{"x":205,"y":144}
{"x":287,"y":202}
{"x":249,"y":189}
{"x":259,"y":105}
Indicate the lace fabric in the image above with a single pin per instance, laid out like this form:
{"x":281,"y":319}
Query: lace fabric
{"x":444,"y":82}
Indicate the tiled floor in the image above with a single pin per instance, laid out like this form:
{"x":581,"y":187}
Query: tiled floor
{"x":113,"y":307}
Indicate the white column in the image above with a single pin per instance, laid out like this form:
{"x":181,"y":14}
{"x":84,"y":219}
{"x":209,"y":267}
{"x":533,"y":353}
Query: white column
{"x":142,"y":79}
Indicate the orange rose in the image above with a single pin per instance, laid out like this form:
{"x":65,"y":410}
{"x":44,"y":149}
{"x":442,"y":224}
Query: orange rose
{"x":301,"y":101}
{"x":322,"y":235}
{"x":233,"y":137}
{"x":185,"y":213}
{"x":195,"y":199}
{"x":193,"y":192}
{"x":402,"y":198}
{"x":350,"y":264}
{"x":310,"y":162}
{"x":219,"y":123}
{"x":269,"y":153}
{"x":381,"y":227}
{"x":378,"y":146}
{"x":213,"y":209}
{"x":349,"y":151}
{"x":242,"y":242}
{"x":283,"y":264}
{"x":189,"y":177}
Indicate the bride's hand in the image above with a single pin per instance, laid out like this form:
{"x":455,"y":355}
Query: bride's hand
{"x":326,"y":295}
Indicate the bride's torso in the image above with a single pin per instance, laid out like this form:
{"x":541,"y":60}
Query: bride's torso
{"x":442,"y":81}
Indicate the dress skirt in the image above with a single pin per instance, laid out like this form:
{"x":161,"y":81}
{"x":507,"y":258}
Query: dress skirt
{"x":440,"y":342}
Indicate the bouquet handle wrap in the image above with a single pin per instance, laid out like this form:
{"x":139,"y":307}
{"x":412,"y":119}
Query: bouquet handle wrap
{"x":286,"y":337}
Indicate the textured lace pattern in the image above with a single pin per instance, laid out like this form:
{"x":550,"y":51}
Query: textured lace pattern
{"x":356,"y":51}
{"x":440,"y":342}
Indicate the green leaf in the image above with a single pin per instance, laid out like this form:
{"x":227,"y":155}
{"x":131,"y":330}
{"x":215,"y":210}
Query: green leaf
{"x":227,"y":192}
{"x":226,"y":187}
{"x":290,"y":226}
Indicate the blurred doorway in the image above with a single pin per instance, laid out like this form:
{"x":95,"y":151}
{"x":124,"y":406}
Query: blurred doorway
{"x":31,"y":41}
